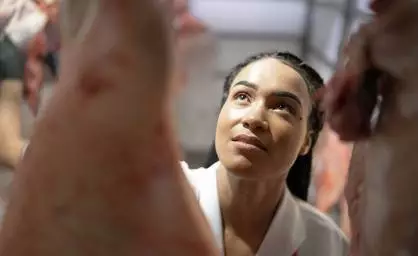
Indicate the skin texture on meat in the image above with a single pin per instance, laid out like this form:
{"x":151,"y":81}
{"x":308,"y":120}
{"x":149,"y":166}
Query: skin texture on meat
{"x":388,"y":209}
{"x":353,"y":193}
{"x":381,"y":184}
{"x":101,"y":176}
{"x":34,"y":71}
{"x":383,"y":177}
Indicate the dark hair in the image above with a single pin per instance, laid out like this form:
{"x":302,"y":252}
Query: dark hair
{"x":299,"y":176}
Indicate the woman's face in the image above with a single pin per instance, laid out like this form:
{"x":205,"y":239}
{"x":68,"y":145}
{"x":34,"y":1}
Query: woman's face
{"x":262,"y":127}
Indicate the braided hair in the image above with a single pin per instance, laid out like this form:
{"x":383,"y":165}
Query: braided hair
{"x":299,"y":176}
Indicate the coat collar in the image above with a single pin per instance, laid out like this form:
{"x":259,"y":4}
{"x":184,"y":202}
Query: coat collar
{"x":287,"y":230}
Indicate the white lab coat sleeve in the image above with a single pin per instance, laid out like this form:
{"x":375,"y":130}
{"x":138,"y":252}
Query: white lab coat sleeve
{"x":190,"y":175}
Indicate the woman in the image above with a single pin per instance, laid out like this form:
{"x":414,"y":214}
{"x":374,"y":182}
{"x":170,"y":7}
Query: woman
{"x":267,"y":121}
{"x":265,"y":134}
{"x":264,"y":137}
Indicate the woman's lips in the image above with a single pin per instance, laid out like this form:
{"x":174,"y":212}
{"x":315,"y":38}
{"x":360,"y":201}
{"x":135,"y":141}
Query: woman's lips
{"x":249,"y":141}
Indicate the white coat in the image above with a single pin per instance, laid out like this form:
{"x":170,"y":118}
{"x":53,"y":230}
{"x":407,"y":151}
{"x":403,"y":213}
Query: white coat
{"x":297,"y":228}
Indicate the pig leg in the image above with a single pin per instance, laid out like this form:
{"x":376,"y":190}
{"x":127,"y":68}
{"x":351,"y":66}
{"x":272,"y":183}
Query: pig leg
{"x":101,"y":176}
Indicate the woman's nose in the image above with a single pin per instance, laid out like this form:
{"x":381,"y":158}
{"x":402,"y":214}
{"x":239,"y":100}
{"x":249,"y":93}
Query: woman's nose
{"x":255,"y":119}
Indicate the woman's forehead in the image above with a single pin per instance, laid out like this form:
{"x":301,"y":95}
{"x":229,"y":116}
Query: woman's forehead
{"x":272,"y":74}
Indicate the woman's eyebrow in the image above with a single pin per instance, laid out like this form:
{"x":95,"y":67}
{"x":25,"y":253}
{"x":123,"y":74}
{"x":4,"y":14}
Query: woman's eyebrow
{"x":281,"y":94}
{"x":247,"y":84}
{"x":286,"y":94}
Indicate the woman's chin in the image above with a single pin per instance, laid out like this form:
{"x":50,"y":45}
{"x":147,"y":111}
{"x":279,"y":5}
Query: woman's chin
{"x":243,"y":167}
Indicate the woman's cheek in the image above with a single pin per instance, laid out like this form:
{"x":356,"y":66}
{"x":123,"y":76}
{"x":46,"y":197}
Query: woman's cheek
{"x":236,"y":113}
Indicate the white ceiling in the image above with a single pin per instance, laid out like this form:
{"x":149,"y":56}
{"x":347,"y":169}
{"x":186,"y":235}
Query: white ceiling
{"x":314,"y":27}
{"x":252,"y":17}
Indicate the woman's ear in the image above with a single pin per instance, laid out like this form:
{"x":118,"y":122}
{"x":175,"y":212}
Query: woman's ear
{"x":306,"y":146}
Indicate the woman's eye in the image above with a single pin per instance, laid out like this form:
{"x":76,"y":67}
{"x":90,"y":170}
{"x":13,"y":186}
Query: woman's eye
{"x":285,"y":107}
{"x":242,"y":97}
{"x":282,"y":106}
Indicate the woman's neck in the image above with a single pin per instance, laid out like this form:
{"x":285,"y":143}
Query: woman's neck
{"x":248,"y":207}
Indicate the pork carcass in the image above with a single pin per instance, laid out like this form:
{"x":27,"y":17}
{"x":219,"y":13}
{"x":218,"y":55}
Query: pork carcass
{"x":383,"y":174}
{"x":101,"y":175}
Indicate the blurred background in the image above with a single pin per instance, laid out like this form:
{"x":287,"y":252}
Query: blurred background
{"x":312,"y":29}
